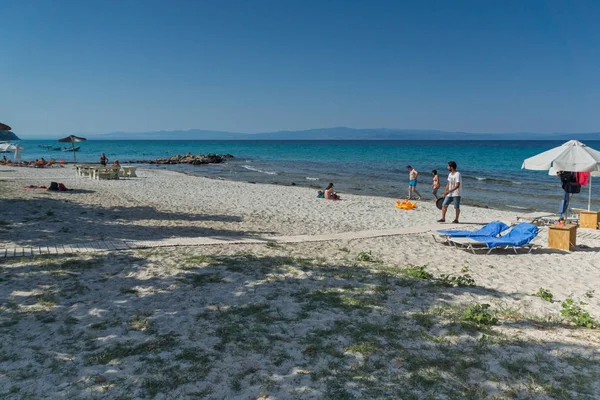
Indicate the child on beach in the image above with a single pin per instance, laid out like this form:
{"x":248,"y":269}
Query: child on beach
{"x":436,"y":184}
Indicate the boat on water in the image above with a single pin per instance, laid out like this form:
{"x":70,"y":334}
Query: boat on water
{"x":45,"y":146}
{"x":71,"y":148}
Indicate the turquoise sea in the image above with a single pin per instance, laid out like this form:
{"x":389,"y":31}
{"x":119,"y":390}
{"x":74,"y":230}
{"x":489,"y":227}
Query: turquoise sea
{"x":491,"y":169}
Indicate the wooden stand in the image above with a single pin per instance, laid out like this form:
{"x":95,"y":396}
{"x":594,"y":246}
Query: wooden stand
{"x":562,"y":237}
{"x":589,"y":219}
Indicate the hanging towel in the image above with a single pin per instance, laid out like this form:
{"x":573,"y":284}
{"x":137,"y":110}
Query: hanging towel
{"x":582,"y":178}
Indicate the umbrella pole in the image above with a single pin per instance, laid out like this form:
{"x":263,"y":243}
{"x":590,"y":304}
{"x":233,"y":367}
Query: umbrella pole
{"x":74,"y":155}
{"x":590,"y":194}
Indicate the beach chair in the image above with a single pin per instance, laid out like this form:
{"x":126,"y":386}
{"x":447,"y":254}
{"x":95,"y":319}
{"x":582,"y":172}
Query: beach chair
{"x":492,"y":229}
{"x":127,"y":172}
{"x":108,"y":173}
{"x":520,"y":236}
{"x":538,"y":218}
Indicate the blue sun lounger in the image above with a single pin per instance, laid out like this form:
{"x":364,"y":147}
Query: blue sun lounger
{"x":520,"y":236}
{"x":493,"y":229}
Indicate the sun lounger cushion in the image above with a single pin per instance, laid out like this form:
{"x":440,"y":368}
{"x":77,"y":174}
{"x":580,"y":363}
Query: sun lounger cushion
{"x":519,"y":235}
{"x":493,"y":229}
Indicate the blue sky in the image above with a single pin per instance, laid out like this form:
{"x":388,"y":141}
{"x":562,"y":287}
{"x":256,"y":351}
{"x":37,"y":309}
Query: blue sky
{"x":256,"y":66}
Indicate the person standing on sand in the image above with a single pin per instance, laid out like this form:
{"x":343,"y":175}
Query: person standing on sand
{"x":103,"y":160}
{"x":452,"y":192}
{"x":435,"y":184}
{"x":412,"y":183}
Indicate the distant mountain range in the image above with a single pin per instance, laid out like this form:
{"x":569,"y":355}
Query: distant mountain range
{"x":340,"y":133}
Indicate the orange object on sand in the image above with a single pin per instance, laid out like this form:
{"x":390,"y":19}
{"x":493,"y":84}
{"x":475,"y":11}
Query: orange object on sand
{"x":405,"y":204}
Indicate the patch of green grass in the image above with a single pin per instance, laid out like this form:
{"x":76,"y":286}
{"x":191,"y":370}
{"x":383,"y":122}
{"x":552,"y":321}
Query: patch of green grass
{"x":457,"y":280}
{"x":140,"y":322}
{"x":364,"y":348}
{"x":204,"y":279}
{"x":365,"y":256}
{"x":120,"y":351}
{"x":590,"y":293}
{"x":417,"y":272}
{"x":544,"y":294}
{"x":480,"y":314}
{"x":424,"y":319}
{"x":577,"y":315}
{"x":78,"y":263}
{"x":47,"y":301}
{"x":339,"y":298}
{"x":191,"y":262}
{"x":98,"y":325}
{"x":272,"y":245}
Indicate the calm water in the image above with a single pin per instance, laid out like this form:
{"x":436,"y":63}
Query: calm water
{"x":491,"y":169}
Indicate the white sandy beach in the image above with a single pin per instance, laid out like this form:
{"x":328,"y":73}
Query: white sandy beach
{"x":301,"y":320}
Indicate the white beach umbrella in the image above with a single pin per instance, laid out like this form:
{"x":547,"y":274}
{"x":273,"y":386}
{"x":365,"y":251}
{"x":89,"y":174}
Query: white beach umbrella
{"x":12,"y":147}
{"x":572,"y":156}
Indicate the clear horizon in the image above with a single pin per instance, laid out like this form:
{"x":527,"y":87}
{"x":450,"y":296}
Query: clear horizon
{"x":264,"y":66}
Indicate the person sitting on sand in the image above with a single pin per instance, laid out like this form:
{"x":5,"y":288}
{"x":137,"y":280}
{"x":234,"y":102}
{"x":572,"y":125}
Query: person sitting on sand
{"x":103,"y":160}
{"x":116,"y":164}
{"x":4,"y":160}
{"x":330,"y":194}
{"x":40,"y":163}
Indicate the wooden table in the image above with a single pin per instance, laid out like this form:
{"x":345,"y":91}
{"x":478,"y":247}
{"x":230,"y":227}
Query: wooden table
{"x":588,"y":219}
{"x":562,"y":237}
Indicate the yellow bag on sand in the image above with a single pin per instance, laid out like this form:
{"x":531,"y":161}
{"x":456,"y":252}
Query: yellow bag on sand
{"x":405,"y":204}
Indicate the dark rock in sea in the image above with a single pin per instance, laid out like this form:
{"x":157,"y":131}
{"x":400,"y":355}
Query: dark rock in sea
{"x":199,"y":159}
{"x":293,"y":184}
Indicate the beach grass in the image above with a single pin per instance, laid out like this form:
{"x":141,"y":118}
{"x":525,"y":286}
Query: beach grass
{"x":242,"y":324}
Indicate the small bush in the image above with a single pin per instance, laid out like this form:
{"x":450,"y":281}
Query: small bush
{"x":574,"y":313}
{"x":417,"y":272}
{"x":365,"y":256}
{"x":457,"y":281}
{"x":544,"y":294}
{"x":480,"y":314}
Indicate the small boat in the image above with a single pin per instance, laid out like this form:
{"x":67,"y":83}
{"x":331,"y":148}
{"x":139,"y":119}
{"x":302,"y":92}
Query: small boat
{"x":57,"y":148}
{"x":45,"y":146}
{"x":71,"y":148}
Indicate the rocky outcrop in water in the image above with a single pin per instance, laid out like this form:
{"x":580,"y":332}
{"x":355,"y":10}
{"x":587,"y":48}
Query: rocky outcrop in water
{"x":188,"y":159}
{"x":8,"y":135}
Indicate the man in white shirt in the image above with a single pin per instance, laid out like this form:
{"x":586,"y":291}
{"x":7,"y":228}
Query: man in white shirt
{"x":452,"y":192}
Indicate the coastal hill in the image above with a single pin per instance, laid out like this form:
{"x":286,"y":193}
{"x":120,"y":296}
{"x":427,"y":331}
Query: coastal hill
{"x":8,"y":135}
{"x":340,"y":133}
